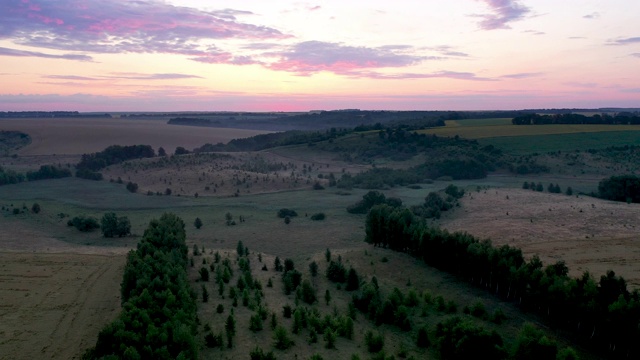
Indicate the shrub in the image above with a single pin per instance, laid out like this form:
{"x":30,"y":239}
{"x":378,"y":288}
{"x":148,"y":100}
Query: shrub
{"x":84,"y":223}
{"x":113,"y":225}
{"x":284,"y":212}
{"x":318,"y":216}
{"x":35,"y":208}
{"x":374,"y":342}
{"x":281,"y":339}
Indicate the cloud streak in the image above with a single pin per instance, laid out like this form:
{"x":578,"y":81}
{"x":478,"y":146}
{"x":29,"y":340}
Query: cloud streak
{"x":503,"y":13}
{"x":625,"y":41}
{"x":23,"y":53}
{"x":105,"y":26}
{"x":310,"y":57}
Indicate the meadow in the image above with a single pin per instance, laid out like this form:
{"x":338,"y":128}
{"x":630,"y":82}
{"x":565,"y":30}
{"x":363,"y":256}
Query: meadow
{"x":44,"y":261}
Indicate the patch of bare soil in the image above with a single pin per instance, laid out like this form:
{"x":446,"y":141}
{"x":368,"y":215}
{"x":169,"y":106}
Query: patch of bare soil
{"x":52,"y":306}
{"x":223,"y":174}
{"x":588,"y":233}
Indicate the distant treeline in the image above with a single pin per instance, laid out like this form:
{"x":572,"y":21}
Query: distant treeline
{"x":159,"y":314}
{"x":8,"y":176}
{"x":620,"y":188}
{"x":621,"y":118}
{"x":266,"y":141}
{"x":49,"y":114}
{"x":114,"y":154}
{"x":602,"y":314}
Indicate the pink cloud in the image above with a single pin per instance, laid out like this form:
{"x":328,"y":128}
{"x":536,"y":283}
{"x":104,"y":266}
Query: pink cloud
{"x":503,"y":12}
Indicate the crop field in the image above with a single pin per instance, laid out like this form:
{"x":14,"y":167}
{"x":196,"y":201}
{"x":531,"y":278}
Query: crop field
{"x":564,"y":142}
{"x":491,"y":128}
{"x":81,"y":136}
{"x":54,"y":305}
{"x":588,"y":233}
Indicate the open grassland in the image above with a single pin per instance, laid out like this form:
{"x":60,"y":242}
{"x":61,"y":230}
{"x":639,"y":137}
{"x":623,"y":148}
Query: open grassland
{"x":589,"y":234}
{"x":80,"y":136}
{"x":52,"y":306}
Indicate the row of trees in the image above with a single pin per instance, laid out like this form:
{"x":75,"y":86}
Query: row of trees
{"x":114,"y":154}
{"x":158,"y":318}
{"x":603,"y":313}
{"x":620,"y":188}
{"x":625,"y":118}
{"x":8,"y":176}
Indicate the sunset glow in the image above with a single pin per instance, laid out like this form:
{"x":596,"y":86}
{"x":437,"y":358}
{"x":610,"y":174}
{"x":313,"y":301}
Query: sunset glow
{"x":255,"y":55}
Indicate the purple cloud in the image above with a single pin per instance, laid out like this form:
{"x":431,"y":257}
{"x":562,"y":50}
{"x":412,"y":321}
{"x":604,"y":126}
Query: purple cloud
{"x":503,"y":12}
{"x":635,"y":55}
{"x":625,"y":41}
{"x":71,"y":77}
{"x":161,"y":76}
{"x":105,"y":26}
{"x":310,"y":57}
{"x":521,"y":75}
{"x":402,"y":76}
{"x":592,"y":16}
{"x":23,"y":53}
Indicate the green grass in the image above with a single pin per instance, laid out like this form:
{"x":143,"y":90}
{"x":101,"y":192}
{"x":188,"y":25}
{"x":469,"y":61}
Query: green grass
{"x":563,"y":142}
{"x":479,"y":122}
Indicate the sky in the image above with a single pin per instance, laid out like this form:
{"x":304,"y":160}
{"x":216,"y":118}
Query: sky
{"x":258,"y":55}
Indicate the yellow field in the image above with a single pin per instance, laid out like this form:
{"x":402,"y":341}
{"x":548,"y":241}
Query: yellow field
{"x":80,"y":136}
{"x":482,"y":131}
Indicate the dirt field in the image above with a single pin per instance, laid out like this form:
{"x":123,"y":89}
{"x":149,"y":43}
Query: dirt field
{"x":588,"y":233}
{"x":79,"y":136}
{"x":53,"y":305}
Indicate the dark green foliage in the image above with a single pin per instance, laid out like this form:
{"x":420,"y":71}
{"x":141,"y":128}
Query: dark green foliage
{"x":281,"y":339}
{"x":35,"y":208}
{"x":113,"y":225}
{"x":533,"y":344}
{"x":327,"y":255}
{"x":258,"y":354}
{"x":313,"y":268}
{"x":230,"y":329}
{"x":459,"y":339}
{"x":569,"y":191}
{"x":156,"y":297}
{"x":330,"y":338}
{"x":197,"y":223}
{"x":205,"y":294}
{"x":353,"y":281}
{"x":204,"y":274}
{"x":374,"y":342}
{"x":286,"y":311}
{"x":454,"y":191}
{"x":88,"y":174}
{"x":308,"y":293}
{"x":318,"y":216}
{"x":624,"y":188}
{"x":213,"y":341}
{"x":423,"y":338}
{"x":220,"y":308}
{"x":291,"y":280}
{"x":84,"y":223}
{"x":283,"y":213}
{"x":255,"y":323}
{"x":327,"y":296}
{"x":368,"y":201}
{"x":336,"y":272}
{"x":132,"y":187}
{"x":114,"y":154}
{"x":277,"y":264}
{"x":8,"y":176}
{"x":48,"y":172}
{"x":180,"y":151}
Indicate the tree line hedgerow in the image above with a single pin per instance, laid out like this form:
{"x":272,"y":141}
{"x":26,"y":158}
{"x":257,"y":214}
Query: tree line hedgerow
{"x":602,"y":314}
{"x":158,"y":317}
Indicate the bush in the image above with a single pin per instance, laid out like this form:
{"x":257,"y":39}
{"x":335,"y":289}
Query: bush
{"x":281,"y":339}
{"x":35,"y":208}
{"x":284,"y":212}
{"x":318,"y":216}
{"x":84,"y":223}
{"x":336,"y":272}
{"x":374,"y":342}
{"x":113,"y":225}
{"x":132,"y":187}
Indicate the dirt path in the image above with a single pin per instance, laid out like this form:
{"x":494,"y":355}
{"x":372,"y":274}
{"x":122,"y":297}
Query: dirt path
{"x":52,"y":306}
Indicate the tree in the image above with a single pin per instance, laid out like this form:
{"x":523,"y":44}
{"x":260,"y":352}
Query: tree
{"x":113,"y":225}
{"x":313,"y":268}
{"x":35,"y":208}
{"x":181,"y":151}
{"x":162,"y":151}
{"x":281,"y":338}
{"x":197,"y":223}
{"x":569,"y":191}
{"x":230,"y":330}
{"x":132,"y":187}
{"x":205,"y":294}
{"x":353,"y":281}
